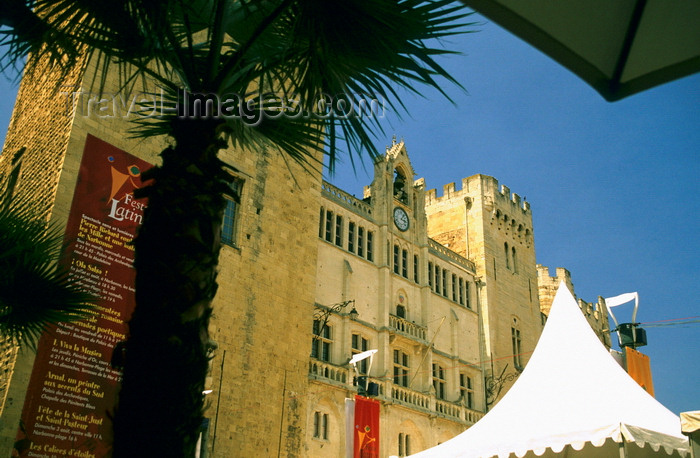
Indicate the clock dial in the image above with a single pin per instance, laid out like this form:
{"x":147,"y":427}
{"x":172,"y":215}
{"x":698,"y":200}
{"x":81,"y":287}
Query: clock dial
{"x":401,"y":219}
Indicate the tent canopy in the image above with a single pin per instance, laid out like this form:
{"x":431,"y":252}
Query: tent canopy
{"x":572,"y":398}
{"x":619,"y":47}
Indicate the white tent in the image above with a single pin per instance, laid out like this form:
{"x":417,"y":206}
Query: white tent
{"x":572,"y":399}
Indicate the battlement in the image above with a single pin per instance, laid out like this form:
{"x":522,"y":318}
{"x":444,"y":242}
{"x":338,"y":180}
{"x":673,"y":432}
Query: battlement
{"x":596,"y":313}
{"x":485,"y":185}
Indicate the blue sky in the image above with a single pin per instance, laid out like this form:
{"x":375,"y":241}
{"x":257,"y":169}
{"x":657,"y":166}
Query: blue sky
{"x":613,"y":186}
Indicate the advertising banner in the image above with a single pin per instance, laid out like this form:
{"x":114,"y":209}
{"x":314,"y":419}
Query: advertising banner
{"x":72,"y":389}
{"x":366,"y":428}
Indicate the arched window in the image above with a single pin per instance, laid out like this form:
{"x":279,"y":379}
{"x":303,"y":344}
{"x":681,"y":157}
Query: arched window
{"x":401,"y":311}
{"x":507,"y":253}
{"x":400,"y":191}
{"x":515,"y":260}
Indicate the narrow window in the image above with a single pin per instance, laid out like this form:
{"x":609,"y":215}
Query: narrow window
{"x":404,"y":263}
{"x":401,"y":368}
{"x":437,"y":279}
{"x":466,"y":389}
{"x":507,"y":252}
{"x":321,"y":344}
{"x":454,"y":287}
{"x":360,"y":241}
{"x":444,"y":282}
{"x":370,"y":251}
{"x":317,"y":424}
{"x":515,"y":260}
{"x":439,"y":381}
{"x":320,"y":425}
{"x":321,"y":222}
{"x":329,"y":226}
{"x":396,"y":259}
{"x":467,"y":295}
{"x":338,"y":230}
{"x":461,"y":291}
{"x":404,"y":444}
{"x":228,"y":225}
{"x":360,"y":344}
{"x":351,"y":237}
{"x":515,"y":337}
{"x":416,"y":278}
{"x":430,"y":275}
{"x":324,"y":426}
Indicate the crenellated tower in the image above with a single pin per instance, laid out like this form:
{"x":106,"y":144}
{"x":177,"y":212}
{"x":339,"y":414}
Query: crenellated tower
{"x":596,"y":313}
{"x":492,"y":227}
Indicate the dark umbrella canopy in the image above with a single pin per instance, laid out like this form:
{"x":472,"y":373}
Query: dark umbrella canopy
{"x":619,"y":47}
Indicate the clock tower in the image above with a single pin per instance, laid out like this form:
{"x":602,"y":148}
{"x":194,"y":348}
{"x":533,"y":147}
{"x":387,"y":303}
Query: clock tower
{"x":398,"y":200}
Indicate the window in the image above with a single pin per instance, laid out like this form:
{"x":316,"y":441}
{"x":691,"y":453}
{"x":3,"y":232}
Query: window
{"x":370,"y":253}
{"x":320,"y":425}
{"x":461,"y":291}
{"x":329,"y":226}
{"x":321,"y":345}
{"x":439,"y":381}
{"x":404,"y":444}
{"x":401,"y":311}
{"x":338,"y":230}
{"x":507,"y":252}
{"x":321,"y":222}
{"x":415,"y":268}
{"x":360,"y":344}
{"x":360,"y":241}
{"x":400,"y":186}
{"x":396,"y":259}
{"x":515,"y":337}
{"x":233,"y":198}
{"x":404,"y":263}
{"x":444,"y":282}
{"x":454,"y":287}
{"x":430,"y":275}
{"x":466,"y":295}
{"x":466,"y":389}
{"x":401,"y":368}
{"x":351,"y":237}
{"x":515,"y":264}
{"x":437,"y":279}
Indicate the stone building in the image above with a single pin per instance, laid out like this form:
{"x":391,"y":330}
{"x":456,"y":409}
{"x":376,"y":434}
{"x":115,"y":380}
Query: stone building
{"x":416,"y":304}
{"x":445,"y":288}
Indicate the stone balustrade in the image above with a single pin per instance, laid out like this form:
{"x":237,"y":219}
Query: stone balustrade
{"x":392,"y":393}
{"x":408,"y":328}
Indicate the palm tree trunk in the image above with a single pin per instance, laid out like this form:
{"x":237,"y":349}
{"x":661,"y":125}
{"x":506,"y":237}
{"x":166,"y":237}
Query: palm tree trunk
{"x":159,"y":411}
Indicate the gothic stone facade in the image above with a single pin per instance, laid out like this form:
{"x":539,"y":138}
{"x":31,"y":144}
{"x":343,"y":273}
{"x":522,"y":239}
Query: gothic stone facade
{"x":445,"y":289}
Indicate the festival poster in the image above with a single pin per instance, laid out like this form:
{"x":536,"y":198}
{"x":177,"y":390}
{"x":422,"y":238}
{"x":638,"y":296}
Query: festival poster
{"x":366,"y":428}
{"x":72,"y":389}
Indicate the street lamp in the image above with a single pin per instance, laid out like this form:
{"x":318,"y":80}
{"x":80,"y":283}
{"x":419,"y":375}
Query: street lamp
{"x":323,"y":313}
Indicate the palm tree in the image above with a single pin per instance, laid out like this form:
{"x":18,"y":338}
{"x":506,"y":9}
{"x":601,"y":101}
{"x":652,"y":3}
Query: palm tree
{"x":282,"y":60}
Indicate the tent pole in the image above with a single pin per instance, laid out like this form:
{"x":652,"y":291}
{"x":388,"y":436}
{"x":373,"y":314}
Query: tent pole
{"x":623,"y":451}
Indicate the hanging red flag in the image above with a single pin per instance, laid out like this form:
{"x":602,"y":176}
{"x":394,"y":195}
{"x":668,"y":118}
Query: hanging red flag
{"x":366,"y":430}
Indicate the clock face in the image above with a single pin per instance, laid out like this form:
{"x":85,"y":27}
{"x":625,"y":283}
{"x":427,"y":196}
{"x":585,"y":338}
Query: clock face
{"x":400,"y":218}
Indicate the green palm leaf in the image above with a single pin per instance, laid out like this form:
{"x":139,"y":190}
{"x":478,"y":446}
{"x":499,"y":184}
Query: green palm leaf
{"x":34,"y":293}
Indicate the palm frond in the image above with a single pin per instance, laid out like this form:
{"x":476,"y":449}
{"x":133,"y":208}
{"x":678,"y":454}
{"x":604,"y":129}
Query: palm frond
{"x":34,"y":292}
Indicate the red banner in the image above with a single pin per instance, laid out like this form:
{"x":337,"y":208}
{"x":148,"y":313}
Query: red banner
{"x":366,"y":428}
{"x":72,"y":389}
